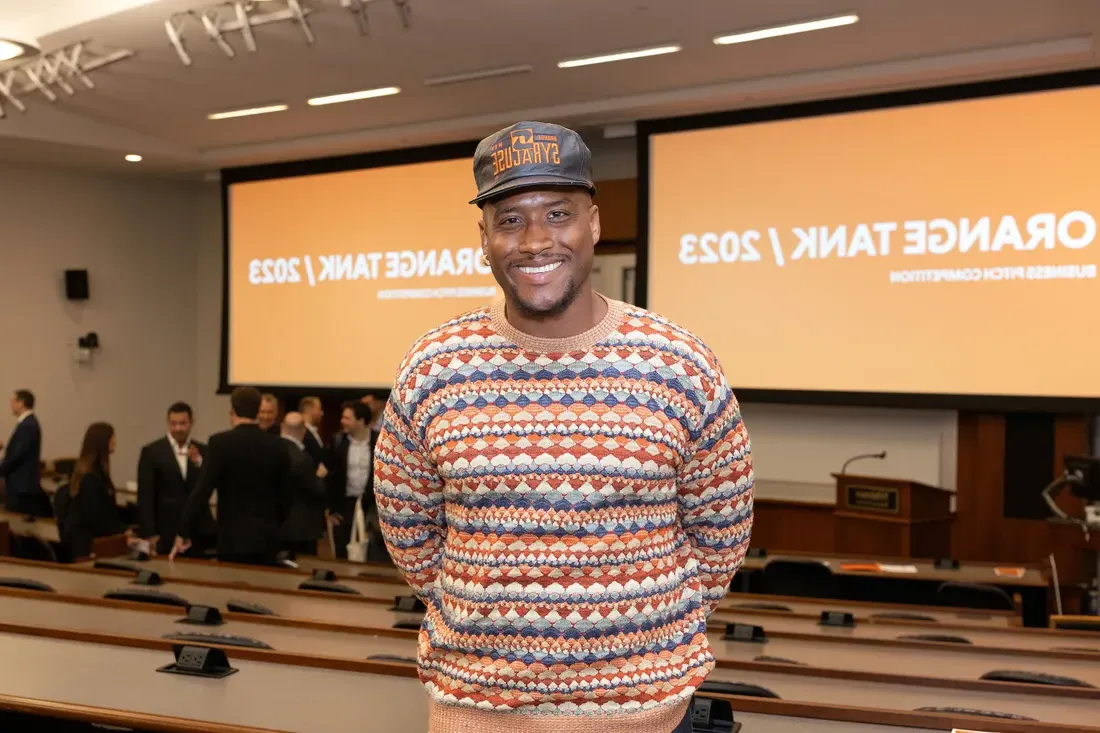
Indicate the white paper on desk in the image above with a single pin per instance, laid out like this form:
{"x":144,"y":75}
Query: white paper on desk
{"x":897,"y":568}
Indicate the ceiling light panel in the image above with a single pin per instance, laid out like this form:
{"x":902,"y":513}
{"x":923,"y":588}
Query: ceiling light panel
{"x":354,"y":96}
{"x":437,"y":81}
{"x":619,"y":56}
{"x":788,"y":29}
{"x":247,"y":112}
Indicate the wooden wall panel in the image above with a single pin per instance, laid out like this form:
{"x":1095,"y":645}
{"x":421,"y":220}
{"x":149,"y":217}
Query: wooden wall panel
{"x":793,"y":525}
{"x":618,"y":202}
{"x":981,"y":530}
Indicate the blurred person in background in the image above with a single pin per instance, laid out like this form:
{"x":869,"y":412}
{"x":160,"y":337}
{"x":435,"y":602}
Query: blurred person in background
{"x":268,"y":417}
{"x":91,"y":509}
{"x":168,"y":471}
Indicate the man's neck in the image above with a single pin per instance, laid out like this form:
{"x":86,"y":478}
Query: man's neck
{"x":238,"y":421}
{"x":180,"y":443}
{"x":361,"y":434}
{"x":586,"y":310}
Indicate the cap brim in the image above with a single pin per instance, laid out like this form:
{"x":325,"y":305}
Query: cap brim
{"x":532,"y":182}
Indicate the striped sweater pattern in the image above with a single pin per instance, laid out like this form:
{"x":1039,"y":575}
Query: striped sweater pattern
{"x":571,"y":511}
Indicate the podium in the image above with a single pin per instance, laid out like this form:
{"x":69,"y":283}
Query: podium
{"x":891,"y":517}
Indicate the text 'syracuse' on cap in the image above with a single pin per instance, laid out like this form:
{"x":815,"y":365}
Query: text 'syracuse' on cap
{"x":529,"y":155}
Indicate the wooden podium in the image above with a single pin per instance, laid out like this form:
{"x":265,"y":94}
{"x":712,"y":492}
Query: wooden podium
{"x":891,"y":517}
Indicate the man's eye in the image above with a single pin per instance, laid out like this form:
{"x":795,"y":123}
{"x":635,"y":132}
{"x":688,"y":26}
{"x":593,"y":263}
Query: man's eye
{"x":557,"y":215}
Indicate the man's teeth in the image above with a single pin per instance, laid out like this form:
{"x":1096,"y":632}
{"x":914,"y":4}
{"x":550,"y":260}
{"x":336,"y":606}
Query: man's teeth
{"x":544,"y":268}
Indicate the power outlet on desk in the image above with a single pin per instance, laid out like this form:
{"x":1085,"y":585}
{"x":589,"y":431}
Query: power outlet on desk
{"x":199,"y":661}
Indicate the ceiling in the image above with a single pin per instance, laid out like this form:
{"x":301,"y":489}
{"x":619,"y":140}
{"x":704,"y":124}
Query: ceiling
{"x":154,"y":105}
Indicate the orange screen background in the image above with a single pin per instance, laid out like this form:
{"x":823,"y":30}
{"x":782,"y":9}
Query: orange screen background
{"x":339,"y":331}
{"x":839,"y":323}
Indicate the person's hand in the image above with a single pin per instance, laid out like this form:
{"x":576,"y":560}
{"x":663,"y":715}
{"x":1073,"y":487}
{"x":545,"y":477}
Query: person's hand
{"x":333,"y":518}
{"x":194,"y":455}
{"x":322,"y":471}
{"x":180,"y":546}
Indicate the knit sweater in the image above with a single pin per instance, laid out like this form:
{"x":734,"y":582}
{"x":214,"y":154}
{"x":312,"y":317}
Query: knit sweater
{"x":570,"y":511}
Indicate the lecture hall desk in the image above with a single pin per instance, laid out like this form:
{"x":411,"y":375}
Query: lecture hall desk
{"x":134,"y":695}
{"x":805,"y":686}
{"x":375,"y":570}
{"x":912,"y":587}
{"x":238,"y":582}
{"x":369,"y":581}
{"x":375,"y":635}
{"x":797,"y":639}
{"x":340,"y":608}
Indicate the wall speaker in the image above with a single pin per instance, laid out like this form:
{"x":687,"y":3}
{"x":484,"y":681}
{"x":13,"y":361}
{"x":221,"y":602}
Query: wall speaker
{"x":76,"y":284}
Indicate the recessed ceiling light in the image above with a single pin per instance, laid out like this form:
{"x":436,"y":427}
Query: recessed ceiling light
{"x":477,"y":75}
{"x":13,"y":49}
{"x":353,"y":96}
{"x":247,"y":112}
{"x":788,"y":29}
{"x":133,"y":158}
{"x":620,"y":56}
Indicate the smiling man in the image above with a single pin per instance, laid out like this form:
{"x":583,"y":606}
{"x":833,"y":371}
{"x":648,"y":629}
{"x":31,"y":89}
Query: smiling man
{"x":565,"y":480}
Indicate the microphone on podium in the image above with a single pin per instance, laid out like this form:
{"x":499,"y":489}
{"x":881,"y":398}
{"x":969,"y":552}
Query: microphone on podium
{"x":862,"y":456}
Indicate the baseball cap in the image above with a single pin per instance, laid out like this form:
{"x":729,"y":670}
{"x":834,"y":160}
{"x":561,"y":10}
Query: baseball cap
{"x":528,"y":155}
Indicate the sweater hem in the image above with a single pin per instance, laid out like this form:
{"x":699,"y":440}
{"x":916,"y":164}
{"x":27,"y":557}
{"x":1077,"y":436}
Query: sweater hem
{"x":464,"y":719}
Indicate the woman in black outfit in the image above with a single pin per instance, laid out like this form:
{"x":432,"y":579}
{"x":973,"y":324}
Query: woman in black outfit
{"x":92,"y":511}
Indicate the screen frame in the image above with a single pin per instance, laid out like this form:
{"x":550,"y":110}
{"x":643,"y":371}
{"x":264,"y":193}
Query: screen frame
{"x":309,"y":167}
{"x":646,"y":129}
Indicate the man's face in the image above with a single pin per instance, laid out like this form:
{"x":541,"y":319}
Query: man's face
{"x":541,"y":243}
{"x":179,"y":427}
{"x":16,"y":405}
{"x":269,"y":411}
{"x":349,"y":423}
{"x":313,"y":415}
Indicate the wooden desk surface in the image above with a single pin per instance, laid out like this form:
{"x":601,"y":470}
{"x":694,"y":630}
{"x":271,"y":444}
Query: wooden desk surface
{"x":41,"y":528}
{"x":865,"y":609}
{"x":333,"y":609}
{"x":129,"y":687}
{"x":804,"y":688}
{"x":926,"y":570}
{"x":341,"y":609}
{"x":962,"y":663}
{"x":268,"y":696}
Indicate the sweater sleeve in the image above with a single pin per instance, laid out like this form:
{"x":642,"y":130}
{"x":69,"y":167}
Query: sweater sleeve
{"x":715,"y":489}
{"x":409,"y":493}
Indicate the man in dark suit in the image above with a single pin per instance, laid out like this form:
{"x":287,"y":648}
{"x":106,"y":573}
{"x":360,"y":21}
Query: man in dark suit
{"x":311,"y":410}
{"x":351,"y":479}
{"x":250,"y":470}
{"x":19,"y":468}
{"x":168,"y":470}
{"x":306,"y":521}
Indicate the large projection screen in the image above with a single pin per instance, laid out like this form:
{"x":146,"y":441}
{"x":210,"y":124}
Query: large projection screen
{"x":331,"y":276}
{"x":943,"y":248}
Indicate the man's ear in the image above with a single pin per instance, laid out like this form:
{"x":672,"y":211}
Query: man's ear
{"x":594,"y":223}
{"x":484,"y":232}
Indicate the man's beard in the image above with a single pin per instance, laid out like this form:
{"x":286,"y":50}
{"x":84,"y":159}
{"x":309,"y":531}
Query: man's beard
{"x":554,"y":309}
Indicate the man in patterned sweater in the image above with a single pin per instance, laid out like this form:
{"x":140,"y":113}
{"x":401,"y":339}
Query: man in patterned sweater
{"x":563,"y":479}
